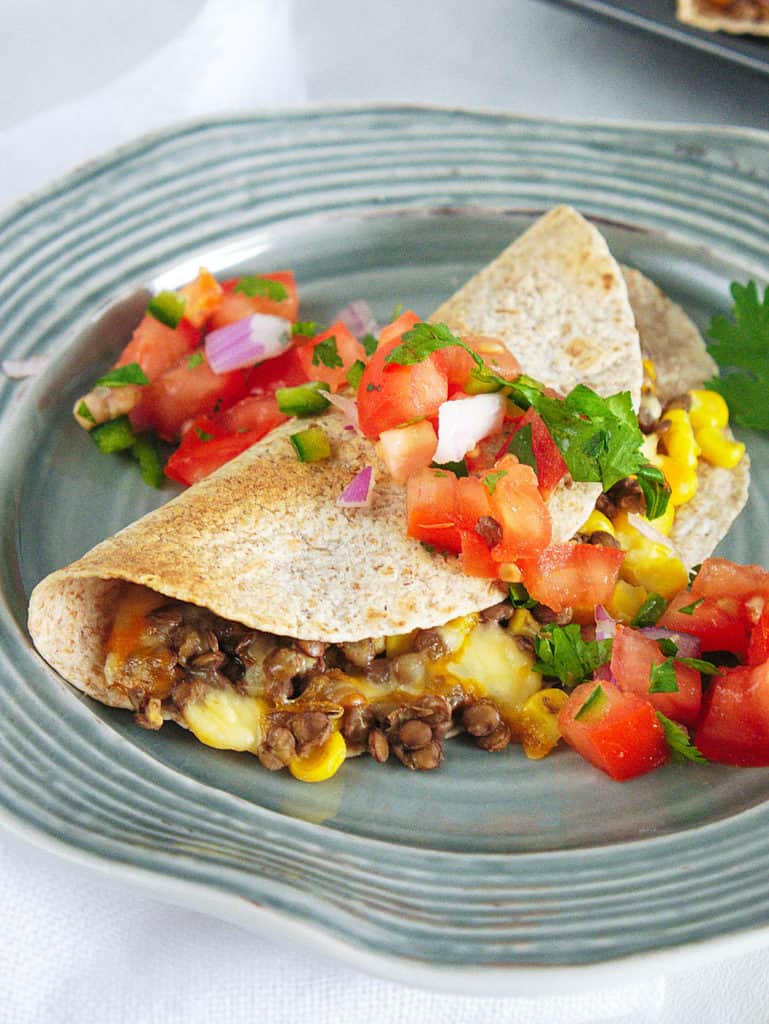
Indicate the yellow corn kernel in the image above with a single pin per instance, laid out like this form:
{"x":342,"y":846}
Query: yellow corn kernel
{"x":509,"y":572}
{"x":625,"y":601}
{"x":718,"y":449}
{"x":322,"y":763}
{"x":597,"y":522}
{"x":654,"y":567}
{"x":679,"y":440}
{"x":650,"y":370}
{"x":681,"y":479}
{"x":664,"y":524}
{"x":523,"y":623}
{"x":227,"y":720}
{"x":708,"y":409}
{"x":398,"y":643}
{"x":538,"y":722}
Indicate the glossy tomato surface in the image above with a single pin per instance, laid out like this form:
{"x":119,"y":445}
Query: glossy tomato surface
{"x":633,"y":657}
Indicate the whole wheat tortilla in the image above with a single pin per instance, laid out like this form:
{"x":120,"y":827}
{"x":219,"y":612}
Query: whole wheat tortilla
{"x":681,"y":360}
{"x":707,"y":16}
{"x":263,"y":541}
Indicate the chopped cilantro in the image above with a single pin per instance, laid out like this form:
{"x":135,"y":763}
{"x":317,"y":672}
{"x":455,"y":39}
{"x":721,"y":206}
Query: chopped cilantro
{"x":662,"y":678}
{"x":369,"y":343}
{"x":203,"y":434}
{"x":195,"y":360}
{"x":740,"y":346}
{"x":131,"y":373}
{"x":428,"y":547}
{"x":490,"y":482}
{"x":305,"y":328}
{"x":690,"y":609}
{"x":85,"y":413}
{"x":519,"y":596}
{"x":457,"y":468}
{"x":373,"y":387}
{"x":522,"y":447}
{"x":707,"y":668}
{"x":167,"y":307}
{"x":355,"y":373}
{"x":262,"y":287}
{"x":667,"y":646}
{"x":694,"y":572}
{"x":326,"y":353}
{"x":593,"y":702}
{"x":681,"y":747}
{"x":650,"y":611}
{"x":563,"y":654}
{"x":655,"y":490}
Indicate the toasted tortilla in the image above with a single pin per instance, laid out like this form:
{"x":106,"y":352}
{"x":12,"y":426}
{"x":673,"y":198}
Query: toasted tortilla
{"x":674,"y":344}
{"x":264,"y":542}
{"x":709,"y":17}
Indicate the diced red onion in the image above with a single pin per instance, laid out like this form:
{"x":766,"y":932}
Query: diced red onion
{"x":250,"y":340}
{"x":349,"y":409}
{"x":688,"y":646}
{"x":466,"y":421}
{"x":358,"y":492}
{"x":358,"y":318}
{"x":605,"y":625}
{"x":18,"y":369}
{"x":645,"y":527}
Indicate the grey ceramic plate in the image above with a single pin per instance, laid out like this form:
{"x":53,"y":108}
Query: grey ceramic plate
{"x":482,"y":874}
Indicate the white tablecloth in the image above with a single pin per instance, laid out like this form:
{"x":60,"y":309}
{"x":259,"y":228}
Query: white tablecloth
{"x":78,"y":79}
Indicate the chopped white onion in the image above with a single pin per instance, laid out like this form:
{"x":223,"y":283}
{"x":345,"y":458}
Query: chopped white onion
{"x":18,"y":369}
{"x":349,"y":409}
{"x":464,"y":422}
{"x":358,"y":492}
{"x":358,"y":318}
{"x":645,"y":527}
{"x":250,"y":340}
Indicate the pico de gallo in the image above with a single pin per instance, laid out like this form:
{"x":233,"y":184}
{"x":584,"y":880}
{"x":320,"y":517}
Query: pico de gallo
{"x":637,"y":658}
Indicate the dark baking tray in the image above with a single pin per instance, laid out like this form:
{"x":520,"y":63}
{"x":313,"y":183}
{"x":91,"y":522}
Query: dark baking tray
{"x":658,"y":16}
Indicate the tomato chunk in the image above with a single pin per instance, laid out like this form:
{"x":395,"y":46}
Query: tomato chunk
{"x":204,"y":449}
{"x":719,"y":578}
{"x":258,"y":413}
{"x":431,"y":509}
{"x":716,"y":622}
{"x":156,"y":347}
{"x":550,"y":465}
{"x":632,"y":659}
{"x":519,"y":508}
{"x":345,"y":346}
{"x":405,"y":450}
{"x":617,"y":732}
{"x":758,"y":645}
{"x":390,"y":395}
{"x":734,"y":726}
{"x":569,"y":575}
{"x":235,"y":305}
{"x":475,"y":556}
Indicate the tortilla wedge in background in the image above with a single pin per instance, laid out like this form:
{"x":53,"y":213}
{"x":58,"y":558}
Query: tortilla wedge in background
{"x":716,"y":17}
{"x":672,"y":341}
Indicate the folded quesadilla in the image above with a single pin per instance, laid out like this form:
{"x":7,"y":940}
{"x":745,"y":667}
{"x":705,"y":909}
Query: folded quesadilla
{"x":739,"y":17}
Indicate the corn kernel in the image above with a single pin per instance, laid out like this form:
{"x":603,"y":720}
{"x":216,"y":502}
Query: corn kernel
{"x":509,"y":572}
{"x":227,"y":720}
{"x":538,"y":722}
{"x":679,"y":440}
{"x":682,"y":480}
{"x":708,"y":409}
{"x":322,"y":763}
{"x":625,"y":601}
{"x":523,"y":623}
{"x":597,"y":522}
{"x":654,"y":567}
{"x":718,"y":449}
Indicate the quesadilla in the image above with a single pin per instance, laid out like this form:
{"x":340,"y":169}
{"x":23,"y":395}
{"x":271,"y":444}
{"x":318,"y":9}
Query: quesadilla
{"x":739,"y":17}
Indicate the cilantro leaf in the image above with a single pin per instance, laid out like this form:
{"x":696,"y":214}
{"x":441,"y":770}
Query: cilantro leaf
{"x":263,"y":287}
{"x":655,"y":490}
{"x":690,"y":609}
{"x":522,"y":447}
{"x":195,"y":360}
{"x":740,"y":346}
{"x":326,"y":353}
{"x":681,"y":747}
{"x":707,"y":668}
{"x":650,"y":611}
{"x":369,"y":343}
{"x":694,"y":572}
{"x":662,"y":677}
{"x":457,"y":468}
{"x":490,"y":482}
{"x":563,"y":654}
{"x":85,"y":413}
{"x":668,"y":647}
{"x":131,"y":373}
{"x":305,"y":328}
{"x":519,"y":596}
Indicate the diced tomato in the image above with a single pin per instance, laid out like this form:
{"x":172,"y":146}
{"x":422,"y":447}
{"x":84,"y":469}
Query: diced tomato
{"x":632,"y":659}
{"x":398,"y":328}
{"x":256,"y":413}
{"x":472,"y":502}
{"x":734,"y":726}
{"x":236,"y":305}
{"x":758,"y":645}
{"x":716,"y":623}
{"x":390,"y":395}
{"x":406,"y":450}
{"x":430,"y":509}
{"x":719,"y":578}
{"x":203,"y":295}
{"x":186,"y":391}
{"x":518,"y":507}
{"x":568,"y":575}
{"x":204,"y":448}
{"x":618,"y":733}
{"x":475,"y":556}
{"x":550,"y":465}
{"x":284,"y":371}
{"x":156,"y":347}
{"x":457,"y":363}
{"x":348,"y":348}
